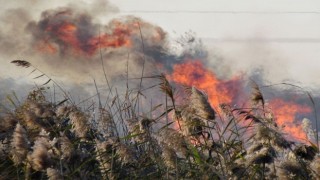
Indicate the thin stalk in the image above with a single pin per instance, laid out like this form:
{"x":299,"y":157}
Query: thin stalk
{"x":64,"y":92}
{"x":102,"y":64}
{"x":143,"y":64}
{"x":167,"y":118}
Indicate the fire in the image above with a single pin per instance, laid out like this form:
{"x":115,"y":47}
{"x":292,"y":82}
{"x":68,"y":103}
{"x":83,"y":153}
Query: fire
{"x":70,"y":31}
{"x":46,"y":47}
{"x":193,"y":73}
{"x":285,"y":112}
{"x":69,"y":35}
{"x":120,"y":36}
{"x":66,"y":32}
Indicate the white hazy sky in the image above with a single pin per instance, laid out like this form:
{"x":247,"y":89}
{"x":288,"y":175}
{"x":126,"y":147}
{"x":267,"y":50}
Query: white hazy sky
{"x":271,"y":35}
{"x":268,"y":21}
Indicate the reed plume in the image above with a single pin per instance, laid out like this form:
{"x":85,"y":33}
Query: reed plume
{"x":40,"y":157}
{"x":315,"y":167}
{"x":63,"y":111}
{"x":169,"y":156}
{"x":53,"y":174}
{"x":265,"y":155}
{"x":305,"y":152}
{"x":66,"y":147}
{"x":126,"y":154}
{"x":122,"y":141}
{"x":79,"y":121}
{"x":8,"y":122}
{"x":199,"y":103}
{"x":21,"y":63}
{"x":105,"y":156}
{"x":174,"y":140}
{"x":19,"y":145}
{"x":256,"y":95}
{"x":291,"y":169}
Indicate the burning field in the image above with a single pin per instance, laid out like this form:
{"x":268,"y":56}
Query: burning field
{"x":150,"y":112}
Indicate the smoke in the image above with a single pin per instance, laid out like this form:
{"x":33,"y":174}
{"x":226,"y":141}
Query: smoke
{"x":73,"y":45}
{"x":18,"y":42}
{"x":275,"y":62}
{"x":71,"y":41}
{"x":67,"y":32}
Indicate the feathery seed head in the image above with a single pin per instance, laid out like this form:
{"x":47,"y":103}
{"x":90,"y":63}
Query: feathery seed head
{"x":79,"y":122}
{"x":169,"y":156}
{"x":19,"y":144}
{"x":199,"y":102}
{"x":41,"y":156}
{"x":53,"y":174}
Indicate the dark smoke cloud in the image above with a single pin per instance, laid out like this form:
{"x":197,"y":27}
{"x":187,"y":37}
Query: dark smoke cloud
{"x":27,"y":33}
{"x":69,"y":29}
{"x":72,"y":39}
{"x":75,"y":63}
{"x":75,"y":51}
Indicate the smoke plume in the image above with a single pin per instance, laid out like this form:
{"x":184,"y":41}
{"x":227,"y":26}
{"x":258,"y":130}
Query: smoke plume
{"x":74,"y":46}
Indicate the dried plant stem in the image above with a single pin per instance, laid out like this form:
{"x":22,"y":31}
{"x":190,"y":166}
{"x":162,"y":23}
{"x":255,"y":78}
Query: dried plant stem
{"x":102,"y":64}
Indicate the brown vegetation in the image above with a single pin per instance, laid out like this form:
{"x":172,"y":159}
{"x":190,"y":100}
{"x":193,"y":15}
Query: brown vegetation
{"x":58,"y":140}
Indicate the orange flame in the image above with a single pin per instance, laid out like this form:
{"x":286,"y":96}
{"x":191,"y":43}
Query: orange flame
{"x":120,"y":36}
{"x":285,"y":112}
{"x":70,"y":31}
{"x":69,"y":34}
{"x":46,"y":47}
{"x":193,"y":73}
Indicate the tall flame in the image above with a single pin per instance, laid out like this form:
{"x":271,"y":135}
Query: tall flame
{"x":285,"y":114}
{"x":193,"y":73}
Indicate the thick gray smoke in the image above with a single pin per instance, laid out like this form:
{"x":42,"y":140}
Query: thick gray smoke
{"x":71,"y":44}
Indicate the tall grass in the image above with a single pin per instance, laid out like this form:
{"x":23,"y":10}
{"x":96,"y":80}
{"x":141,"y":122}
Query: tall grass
{"x":184,"y":139}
